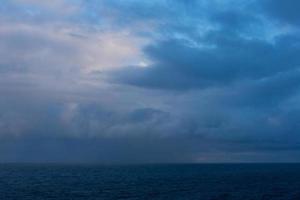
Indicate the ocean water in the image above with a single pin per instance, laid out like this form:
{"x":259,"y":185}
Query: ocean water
{"x":132,"y":182}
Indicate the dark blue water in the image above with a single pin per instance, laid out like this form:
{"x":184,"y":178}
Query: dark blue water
{"x":200,"y":182}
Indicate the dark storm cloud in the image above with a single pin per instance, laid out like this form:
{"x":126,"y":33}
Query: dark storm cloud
{"x":235,"y":49}
{"x":178,"y":65}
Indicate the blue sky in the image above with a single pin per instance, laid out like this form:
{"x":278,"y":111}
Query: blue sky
{"x":149,"y":81}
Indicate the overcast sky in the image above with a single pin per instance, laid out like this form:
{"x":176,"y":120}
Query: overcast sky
{"x":114,"y":81}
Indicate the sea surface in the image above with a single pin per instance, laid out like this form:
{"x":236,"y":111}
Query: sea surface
{"x":132,"y":182}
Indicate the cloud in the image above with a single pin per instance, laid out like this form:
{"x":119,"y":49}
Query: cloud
{"x":177,"y":65}
{"x":284,"y":11}
{"x":160,"y":81}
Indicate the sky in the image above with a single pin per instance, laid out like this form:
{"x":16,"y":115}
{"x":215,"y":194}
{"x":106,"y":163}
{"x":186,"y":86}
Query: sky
{"x":160,"y":81}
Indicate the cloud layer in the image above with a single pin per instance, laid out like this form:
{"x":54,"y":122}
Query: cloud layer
{"x":139,"y":81}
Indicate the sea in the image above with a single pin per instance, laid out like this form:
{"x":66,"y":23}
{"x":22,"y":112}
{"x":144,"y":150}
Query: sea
{"x":150,"y":181}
